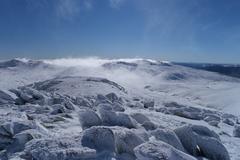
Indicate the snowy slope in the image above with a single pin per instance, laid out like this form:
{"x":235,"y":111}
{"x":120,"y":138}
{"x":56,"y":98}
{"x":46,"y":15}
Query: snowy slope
{"x":56,"y":92}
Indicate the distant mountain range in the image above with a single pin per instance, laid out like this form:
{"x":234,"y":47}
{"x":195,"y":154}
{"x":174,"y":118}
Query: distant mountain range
{"x":232,"y":70}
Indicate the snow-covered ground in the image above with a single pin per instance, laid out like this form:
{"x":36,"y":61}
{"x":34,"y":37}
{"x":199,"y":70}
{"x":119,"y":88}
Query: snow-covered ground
{"x":56,"y":94}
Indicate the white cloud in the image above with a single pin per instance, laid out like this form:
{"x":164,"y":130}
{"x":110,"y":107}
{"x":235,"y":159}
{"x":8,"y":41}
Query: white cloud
{"x":116,"y":3}
{"x":69,"y":9}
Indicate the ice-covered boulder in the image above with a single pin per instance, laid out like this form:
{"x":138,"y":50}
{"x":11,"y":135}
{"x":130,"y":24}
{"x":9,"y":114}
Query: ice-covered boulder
{"x":82,"y":102}
{"x":8,"y":130}
{"x":5,"y":98}
{"x":159,"y":150}
{"x":126,"y":140}
{"x":6,"y":136}
{"x":105,"y":106}
{"x":148,"y":125}
{"x":125,"y":120}
{"x":117,"y":107}
{"x":99,"y":138}
{"x":212,"y":117}
{"x":236,"y":131}
{"x":139,"y":117}
{"x":109,"y":118}
{"x":89,"y":118}
{"x":102,"y":99}
{"x":29,"y":95}
{"x":213,"y":123}
{"x":148,"y":104}
{"x":58,"y":109}
{"x":201,"y":141}
{"x":63,"y":149}
{"x":112,"y":97}
{"x":228,"y":121}
{"x":168,"y":137}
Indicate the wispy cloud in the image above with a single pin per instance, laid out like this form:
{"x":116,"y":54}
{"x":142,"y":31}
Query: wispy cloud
{"x":69,"y":9}
{"x":116,"y":3}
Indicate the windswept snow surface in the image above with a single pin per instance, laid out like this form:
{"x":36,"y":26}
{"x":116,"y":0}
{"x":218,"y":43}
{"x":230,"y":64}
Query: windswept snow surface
{"x":169,"y":95}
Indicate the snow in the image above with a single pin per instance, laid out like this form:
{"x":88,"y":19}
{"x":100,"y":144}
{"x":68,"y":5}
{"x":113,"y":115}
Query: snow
{"x":122,"y":85}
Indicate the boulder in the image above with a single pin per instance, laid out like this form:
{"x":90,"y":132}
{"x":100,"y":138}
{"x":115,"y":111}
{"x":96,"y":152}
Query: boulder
{"x":236,"y":131}
{"x":126,"y":140}
{"x":213,"y":123}
{"x":117,"y":107}
{"x":82,"y":102}
{"x":54,"y":149}
{"x":58,"y":109}
{"x":212,"y":117}
{"x":148,"y":104}
{"x":139,"y":117}
{"x":105,"y":106}
{"x":148,"y":125}
{"x":109,"y":118}
{"x":112,"y":97}
{"x":168,"y":137}
{"x":99,"y":138}
{"x":5,"y":98}
{"x":125,"y":121}
{"x":196,"y":140}
{"x":159,"y":150}
{"x":228,"y":121}
{"x":88,"y":119}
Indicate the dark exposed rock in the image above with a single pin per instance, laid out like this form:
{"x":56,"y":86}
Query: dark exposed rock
{"x":200,"y":141}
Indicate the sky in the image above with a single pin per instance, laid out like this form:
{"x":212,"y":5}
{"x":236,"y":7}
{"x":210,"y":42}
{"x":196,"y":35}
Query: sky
{"x":174,"y":30}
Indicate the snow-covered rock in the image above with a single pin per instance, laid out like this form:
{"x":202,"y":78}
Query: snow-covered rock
{"x":236,"y":131}
{"x":126,"y":140}
{"x":89,"y":118}
{"x":125,"y":120}
{"x":200,"y":141}
{"x":139,"y":117}
{"x":168,"y":137}
{"x":109,"y":118}
{"x":160,"y":150}
{"x":99,"y":138}
{"x":52,"y":149}
{"x":148,"y":125}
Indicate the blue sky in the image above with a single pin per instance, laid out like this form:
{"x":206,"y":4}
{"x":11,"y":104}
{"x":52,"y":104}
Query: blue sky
{"x":176,"y":30}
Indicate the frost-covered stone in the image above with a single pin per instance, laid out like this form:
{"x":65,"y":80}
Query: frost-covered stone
{"x":236,"y":131}
{"x":212,"y":117}
{"x":19,"y":141}
{"x":125,"y":121}
{"x":6,"y":136}
{"x":53,"y":149}
{"x":159,"y":150}
{"x":99,"y":138}
{"x":140,"y":118}
{"x":5,"y":98}
{"x":228,"y":121}
{"x":58,"y":109}
{"x":89,"y":118}
{"x":148,"y":125}
{"x":109,"y":118}
{"x":126,"y":140}
{"x":105,"y":106}
{"x":213,"y":123}
{"x":200,"y":141}
{"x":117,"y":107}
{"x":8,"y":130}
{"x":112,"y":97}
{"x":82,"y":102}
{"x":148,"y":104}
{"x":168,"y":137}
{"x":102,"y":99}
{"x":69,"y":105}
